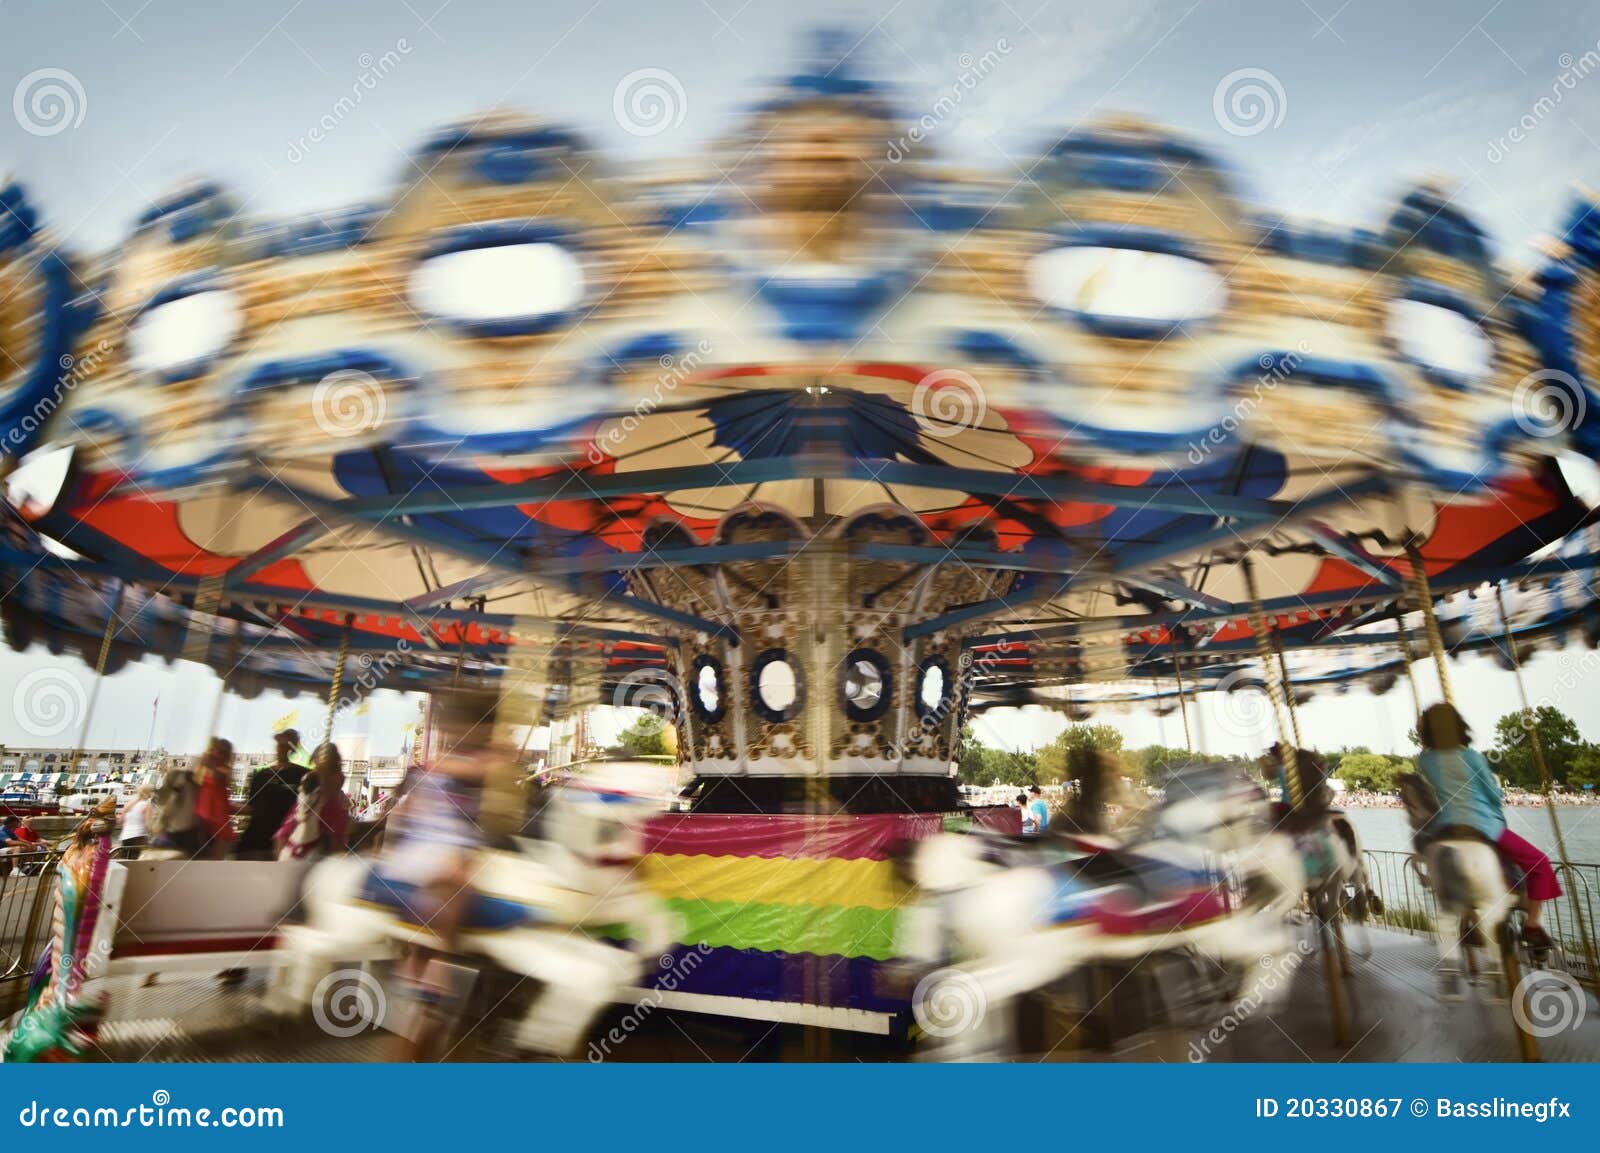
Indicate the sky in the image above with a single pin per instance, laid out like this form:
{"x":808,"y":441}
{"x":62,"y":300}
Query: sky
{"x":1325,"y":109}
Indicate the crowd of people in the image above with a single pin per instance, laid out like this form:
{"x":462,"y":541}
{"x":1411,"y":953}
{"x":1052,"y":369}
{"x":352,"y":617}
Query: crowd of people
{"x":17,"y":835}
{"x":291,"y":811}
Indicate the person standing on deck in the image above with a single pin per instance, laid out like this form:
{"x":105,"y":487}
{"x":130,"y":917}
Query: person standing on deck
{"x":271,"y":797}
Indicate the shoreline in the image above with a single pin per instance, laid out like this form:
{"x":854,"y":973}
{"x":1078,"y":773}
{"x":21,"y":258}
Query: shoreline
{"x":1517,"y":801}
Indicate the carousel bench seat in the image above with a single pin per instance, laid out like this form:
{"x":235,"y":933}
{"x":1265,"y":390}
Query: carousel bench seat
{"x":195,"y":917}
{"x":192,"y":916}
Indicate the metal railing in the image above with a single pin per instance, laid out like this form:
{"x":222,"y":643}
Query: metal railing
{"x":1408,"y":905}
{"x":27,"y":901}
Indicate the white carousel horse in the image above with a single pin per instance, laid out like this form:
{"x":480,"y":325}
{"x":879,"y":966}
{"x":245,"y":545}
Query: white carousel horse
{"x":539,"y":900}
{"x":1004,"y":919}
{"x":1472,"y":900}
{"x":1473,"y":904}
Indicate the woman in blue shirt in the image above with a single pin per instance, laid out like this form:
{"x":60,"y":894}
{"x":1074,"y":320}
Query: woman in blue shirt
{"x":1469,"y":795}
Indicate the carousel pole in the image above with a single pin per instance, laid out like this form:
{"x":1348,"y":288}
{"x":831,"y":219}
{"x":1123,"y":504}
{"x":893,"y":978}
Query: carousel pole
{"x":1258,"y":625}
{"x":337,"y":683}
{"x":1405,"y":661}
{"x":222,"y":690}
{"x":1177,"y":670}
{"x":1430,"y":622}
{"x":99,"y":675}
{"x":1288,"y":689}
{"x":1546,"y":787}
{"x":1334,"y":957}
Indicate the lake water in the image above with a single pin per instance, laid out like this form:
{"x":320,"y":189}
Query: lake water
{"x":1580,"y":825}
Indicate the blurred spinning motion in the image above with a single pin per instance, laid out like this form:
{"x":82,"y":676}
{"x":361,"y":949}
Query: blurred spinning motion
{"x":819,"y":453}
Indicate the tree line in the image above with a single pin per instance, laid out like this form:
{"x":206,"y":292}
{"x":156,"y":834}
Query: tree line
{"x":1572,"y":761}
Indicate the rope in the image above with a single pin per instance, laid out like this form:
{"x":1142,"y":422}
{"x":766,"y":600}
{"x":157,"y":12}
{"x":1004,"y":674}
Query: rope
{"x":1430,"y":623}
{"x":338,"y":675}
{"x":1258,"y":625}
{"x":1546,"y":785}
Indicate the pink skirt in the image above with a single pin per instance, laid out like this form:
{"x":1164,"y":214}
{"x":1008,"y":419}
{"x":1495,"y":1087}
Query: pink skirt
{"x":1540,"y":882}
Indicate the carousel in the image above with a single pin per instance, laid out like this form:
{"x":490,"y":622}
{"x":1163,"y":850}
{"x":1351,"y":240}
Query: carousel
{"x":816,"y":454}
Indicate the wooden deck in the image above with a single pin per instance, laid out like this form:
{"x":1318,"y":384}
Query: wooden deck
{"x":1397,"y":1014}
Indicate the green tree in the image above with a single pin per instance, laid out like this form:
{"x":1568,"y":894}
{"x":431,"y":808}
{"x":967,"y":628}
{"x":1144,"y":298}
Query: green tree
{"x":1585,"y":768}
{"x":1369,"y":771}
{"x":643,"y":738}
{"x":1020,"y":768}
{"x":973,"y":767}
{"x":1334,"y":759}
{"x":1155,"y":763}
{"x":1054,"y":759}
{"x":1513,"y":748}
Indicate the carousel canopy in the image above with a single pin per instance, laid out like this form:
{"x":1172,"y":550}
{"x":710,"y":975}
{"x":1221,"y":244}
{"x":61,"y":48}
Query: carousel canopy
{"x":640,"y":440}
